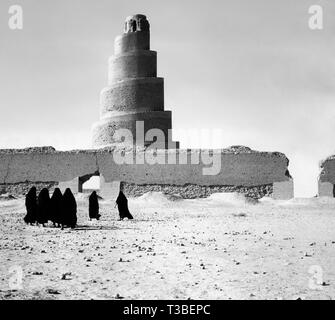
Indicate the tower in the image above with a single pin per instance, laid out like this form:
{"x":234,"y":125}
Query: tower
{"x":134,"y":98}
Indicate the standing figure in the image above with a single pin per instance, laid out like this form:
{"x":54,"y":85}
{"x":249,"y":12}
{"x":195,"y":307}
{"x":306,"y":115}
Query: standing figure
{"x":43,"y":206}
{"x":56,"y":207}
{"x":93,"y":206}
{"x":69,"y":210}
{"x":31,"y":206}
{"x":122,"y":205}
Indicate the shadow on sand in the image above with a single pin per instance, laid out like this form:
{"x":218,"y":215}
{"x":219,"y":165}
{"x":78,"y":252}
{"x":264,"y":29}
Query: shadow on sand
{"x":140,"y":220}
{"x":91,"y":228}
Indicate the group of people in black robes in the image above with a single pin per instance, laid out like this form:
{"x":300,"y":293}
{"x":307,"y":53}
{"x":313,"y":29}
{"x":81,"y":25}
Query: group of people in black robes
{"x":121,"y":203}
{"x":61,"y":209}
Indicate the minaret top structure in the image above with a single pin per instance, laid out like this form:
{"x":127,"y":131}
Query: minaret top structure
{"x":135,"y":23}
{"x":136,"y":35}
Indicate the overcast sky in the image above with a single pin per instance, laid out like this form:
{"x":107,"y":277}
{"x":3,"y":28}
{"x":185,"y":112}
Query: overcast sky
{"x":251,"y":68}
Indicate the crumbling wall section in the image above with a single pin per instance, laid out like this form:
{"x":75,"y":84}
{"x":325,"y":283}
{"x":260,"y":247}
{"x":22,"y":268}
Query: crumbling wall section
{"x":327,"y":177}
{"x":192,"y":191}
{"x":234,"y":168}
{"x":22,"y":188}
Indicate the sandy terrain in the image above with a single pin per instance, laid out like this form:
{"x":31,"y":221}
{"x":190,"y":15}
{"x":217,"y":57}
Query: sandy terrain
{"x":217,"y":248}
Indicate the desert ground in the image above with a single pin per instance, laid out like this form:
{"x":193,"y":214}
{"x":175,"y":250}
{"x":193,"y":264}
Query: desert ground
{"x":222,"y":247}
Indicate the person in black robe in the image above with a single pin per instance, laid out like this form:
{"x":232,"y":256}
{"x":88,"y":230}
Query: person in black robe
{"x":69,"y":210}
{"x":122,"y":205}
{"x":56,"y":207}
{"x":31,"y":206}
{"x":93,"y":206}
{"x":43,"y":206}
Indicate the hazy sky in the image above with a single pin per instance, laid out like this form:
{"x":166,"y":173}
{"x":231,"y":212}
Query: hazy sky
{"x":251,"y":68}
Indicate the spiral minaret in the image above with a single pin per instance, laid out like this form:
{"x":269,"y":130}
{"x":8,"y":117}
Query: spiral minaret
{"x":135,"y":95}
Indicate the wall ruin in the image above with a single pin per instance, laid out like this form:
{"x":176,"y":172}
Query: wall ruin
{"x":239,"y":167}
{"x":326,"y":180}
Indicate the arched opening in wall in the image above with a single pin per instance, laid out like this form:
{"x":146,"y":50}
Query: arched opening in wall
{"x":134,"y":26}
{"x":93,"y":184}
{"x":90,"y":182}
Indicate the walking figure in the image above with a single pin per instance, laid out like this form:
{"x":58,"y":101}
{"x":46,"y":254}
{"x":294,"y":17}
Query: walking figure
{"x":122,"y":205}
